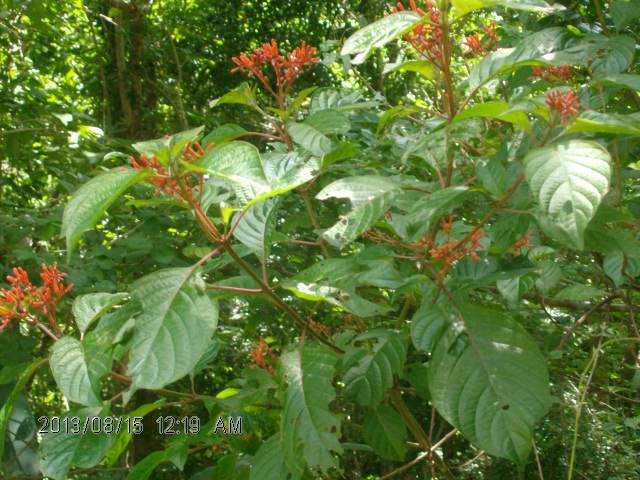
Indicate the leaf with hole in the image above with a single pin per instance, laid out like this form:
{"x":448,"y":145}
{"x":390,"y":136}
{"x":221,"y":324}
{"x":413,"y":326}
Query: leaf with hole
{"x":488,"y":378}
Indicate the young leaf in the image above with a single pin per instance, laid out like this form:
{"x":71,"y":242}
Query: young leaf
{"x":369,"y":379}
{"x":78,"y":368}
{"x":498,"y":110}
{"x":308,"y":427}
{"x":90,"y":307}
{"x":490,"y":381}
{"x":378,"y":34}
{"x":243,"y":94}
{"x":223,"y":134}
{"x":384,"y":429}
{"x":174,"y":330}
{"x":569,"y":180}
{"x":93,"y":198}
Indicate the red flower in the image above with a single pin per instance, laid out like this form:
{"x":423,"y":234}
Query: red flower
{"x":562,"y":72}
{"x":521,"y":244}
{"x":476,"y":47}
{"x":426,"y":38}
{"x":262,"y":355}
{"x":562,"y":104}
{"x":162,"y":178}
{"x":286,"y":67}
{"x":23,"y":298}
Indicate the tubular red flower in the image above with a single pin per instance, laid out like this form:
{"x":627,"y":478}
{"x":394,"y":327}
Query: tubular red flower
{"x":563,"y":104}
{"x":426,"y":38}
{"x":21,"y":300}
{"x":561,"y":72}
{"x":286,"y":67}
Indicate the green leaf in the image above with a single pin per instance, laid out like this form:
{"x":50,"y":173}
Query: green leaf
{"x":498,"y":110}
{"x":252,"y":178}
{"x":462,"y":7}
{"x":270,"y":463}
{"x":256,"y":226}
{"x":174,"y":330}
{"x":124,"y":437}
{"x":243,"y":94}
{"x":603,"y":55}
{"x":308,"y":427}
{"x":90,"y":307}
{"x":7,"y":407}
{"x":624,"y":12}
{"x":60,"y":451}
{"x":628,"y":80}
{"x":310,"y":138}
{"x":540,"y":47}
{"x":176,"y":454}
{"x":488,"y":379}
{"x":428,"y":325}
{"x":329,"y":122}
{"x":378,"y":34}
{"x":78,"y":368}
{"x":368,"y":380}
{"x":579,"y":293}
{"x":223,"y":134}
{"x":297,"y":103}
{"x":423,"y":67}
{"x":346,"y":299}
{"x":93,"y":199}
{"x":394,"y":113}
{"x":168,"y":149}
{"x":343,"y":151}
{"x":592,"y":121}
{"x":384,"y":429}
{"x":240,"y":164}
{"x":429,"y":208}
{"x":569,"y":180}
{"x":369,"y":196}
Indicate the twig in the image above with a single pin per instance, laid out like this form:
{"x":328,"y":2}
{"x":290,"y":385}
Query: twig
{"x":565,"y":338}
{"x":420,"y":458}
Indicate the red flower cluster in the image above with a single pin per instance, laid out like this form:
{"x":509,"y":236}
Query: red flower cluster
{"x":426,"y":39}
{"x":521,"y":244}
{"x":23,"y":299}
{"x":263,"y":357}
{"x":478,"y":48}
{"x":562,"y":72}
{"x":162,"y":178}
{"x":287,"y":68}
{"x":564,"y":104}
{"x":319,"y":327}
{"x":451,"y":251}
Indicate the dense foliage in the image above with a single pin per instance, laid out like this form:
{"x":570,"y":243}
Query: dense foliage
{"x":411,"y":252}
